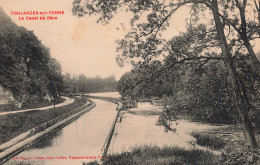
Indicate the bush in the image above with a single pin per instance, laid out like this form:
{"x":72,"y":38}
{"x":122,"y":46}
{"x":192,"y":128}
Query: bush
{"x":8,"y":107}
{"x":167,"y":155}
{"x":241,"y":156}
{"x":208,"y":140}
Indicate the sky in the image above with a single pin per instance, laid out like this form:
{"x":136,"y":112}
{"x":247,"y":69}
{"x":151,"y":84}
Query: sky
{"x":81,"y":45}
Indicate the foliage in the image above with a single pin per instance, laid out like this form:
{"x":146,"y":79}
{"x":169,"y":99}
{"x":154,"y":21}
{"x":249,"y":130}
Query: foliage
{"x":55,"y":85}
{"x":121,"y":84}
{"x":225,"y":35}
{"x":83,"y":84}
{"x":241,"y":156}
{"x":167,"y":155}
{"x":91,"y":163}
{"x":12,"y":70}
{"x":251,"y":86}
{"x":209,"y":94}
{"x":26,"y":67}
{"x":201,"y":91}
{"x":13,"y":125}
{"x":35,"y":103}
{"x":208,"y":140}
{"x":140,"y":82}
{"x":8,"y":107}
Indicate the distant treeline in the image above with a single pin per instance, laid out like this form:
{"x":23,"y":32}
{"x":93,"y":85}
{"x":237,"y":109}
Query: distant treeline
{"x":32,"y":75}
{"x":81,"y":83}
{"x":26,"y":67}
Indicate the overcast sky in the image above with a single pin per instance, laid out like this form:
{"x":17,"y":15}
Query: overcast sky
{"x":80,"y":44}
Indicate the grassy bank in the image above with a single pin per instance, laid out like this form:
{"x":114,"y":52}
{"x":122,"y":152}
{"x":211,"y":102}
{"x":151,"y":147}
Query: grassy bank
{"x":8,"y":107}
{"x":209,"y":140}
{"x":13,"y":125}
{"x":147,"y":155}
{"x":230,"y":138}
{"x":178,"y":156}
{"x":44,"y":103}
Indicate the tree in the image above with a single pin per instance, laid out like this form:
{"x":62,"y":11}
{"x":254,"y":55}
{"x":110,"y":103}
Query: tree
{"x":26,"y":67}
{"x":55,"y":85}
{"x":83,"y":84}
{"x":12,"y":68}
{"x":145,"y":42}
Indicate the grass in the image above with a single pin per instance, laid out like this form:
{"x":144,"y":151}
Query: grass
{"x":8,"y":107}
{"x":209,"y":140}
{"x":147,"y":155}
{"x":234,"y":151}
{"x":12,"y":125}
{"x":13,"y":107}
{"x":44,"y":103}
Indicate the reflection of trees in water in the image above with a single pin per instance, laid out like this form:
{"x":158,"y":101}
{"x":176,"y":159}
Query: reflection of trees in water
{"x":47,"y":141}
{"x":145,"y":112}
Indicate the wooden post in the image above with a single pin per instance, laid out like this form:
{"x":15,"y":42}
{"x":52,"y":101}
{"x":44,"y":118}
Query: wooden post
{"x":54,"y":102}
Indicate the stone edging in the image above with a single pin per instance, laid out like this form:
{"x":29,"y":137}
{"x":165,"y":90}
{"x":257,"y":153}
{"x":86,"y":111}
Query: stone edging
{"x":23,"y":141}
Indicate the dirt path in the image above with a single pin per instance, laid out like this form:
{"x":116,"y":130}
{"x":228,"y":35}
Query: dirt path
{"x":66,"y":102}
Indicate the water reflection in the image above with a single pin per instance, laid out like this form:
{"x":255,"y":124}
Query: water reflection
{"x":139,"y":128}
{"x":47,"y":141}
{"x":82,"y":138}
{"x":107,"y":94}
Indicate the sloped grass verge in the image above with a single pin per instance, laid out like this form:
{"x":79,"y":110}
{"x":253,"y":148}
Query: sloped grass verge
{"x":43,"y":103}
{"x":12,"y":125}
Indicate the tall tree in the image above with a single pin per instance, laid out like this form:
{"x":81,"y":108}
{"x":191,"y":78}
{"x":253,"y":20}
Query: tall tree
{"x":55,"y":85}
{"x":26,"y":67}
{"x":145,"y":40}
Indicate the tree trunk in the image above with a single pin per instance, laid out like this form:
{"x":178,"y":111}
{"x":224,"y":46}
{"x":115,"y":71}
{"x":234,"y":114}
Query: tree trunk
{"x":249,"y":133}
{"x":238,"y":98}
{"x":257,"y":8}
{"x":243,"y":34}
{"x":255,"y":62}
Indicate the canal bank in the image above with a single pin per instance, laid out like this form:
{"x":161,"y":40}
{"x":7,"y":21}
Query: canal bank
{"x":22,"y":142}
{"x":78,"y":142}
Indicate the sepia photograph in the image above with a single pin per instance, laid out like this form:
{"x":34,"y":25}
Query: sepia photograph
{"x":130,"y":82}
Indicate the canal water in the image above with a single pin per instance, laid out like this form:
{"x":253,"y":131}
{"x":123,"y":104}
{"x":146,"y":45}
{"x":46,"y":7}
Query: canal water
{"x":82,"y":138}
{"x":85,"y":136}
{"x":107,"y":94}
{"x":139,"y":127}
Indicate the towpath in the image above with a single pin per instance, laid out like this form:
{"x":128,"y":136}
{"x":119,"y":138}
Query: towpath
{"x":66,"y":102}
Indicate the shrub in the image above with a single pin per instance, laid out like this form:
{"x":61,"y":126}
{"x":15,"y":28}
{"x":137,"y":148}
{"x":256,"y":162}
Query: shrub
{"x":241,"y":156}
{"x":167,"y":155}
{"x":208,"y":140}
{"x":8,"y":107}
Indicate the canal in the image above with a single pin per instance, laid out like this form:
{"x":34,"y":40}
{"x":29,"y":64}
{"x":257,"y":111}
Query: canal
{"x":82,"y":140}
{"x":85,"y":136}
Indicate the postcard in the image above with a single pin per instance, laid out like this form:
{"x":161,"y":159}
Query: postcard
{"x":129,"y":82}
